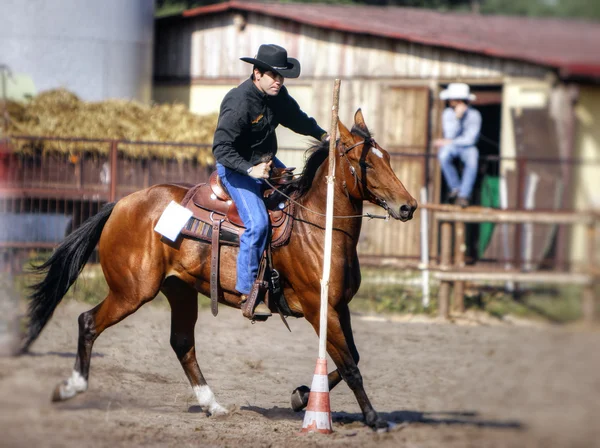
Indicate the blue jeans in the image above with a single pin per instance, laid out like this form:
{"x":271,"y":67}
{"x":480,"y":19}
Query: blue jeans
{"x":246,"y":192}
{"x":470,"y":157}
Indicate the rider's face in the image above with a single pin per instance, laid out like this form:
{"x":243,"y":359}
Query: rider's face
{"x":268,"y":82}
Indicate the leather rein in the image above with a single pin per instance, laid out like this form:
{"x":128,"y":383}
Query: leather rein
{"x":343,"y":153}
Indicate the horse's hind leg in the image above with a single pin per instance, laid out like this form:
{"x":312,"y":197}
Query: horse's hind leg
{"x":341,"y":348}
{"x":91,"y":324}
{"x":300,"y":395}
{"x":184,"y":314}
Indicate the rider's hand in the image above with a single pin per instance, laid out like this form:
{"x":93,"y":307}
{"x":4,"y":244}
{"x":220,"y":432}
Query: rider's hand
{"x":439,"y":142}
{"x":460,"y":110}
{"x":261,"y":171}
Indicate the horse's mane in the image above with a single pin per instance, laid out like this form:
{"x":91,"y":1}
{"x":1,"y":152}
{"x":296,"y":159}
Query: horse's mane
{"x":317,"y":154}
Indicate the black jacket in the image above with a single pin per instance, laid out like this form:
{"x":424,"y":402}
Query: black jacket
{"x":245,"y":134}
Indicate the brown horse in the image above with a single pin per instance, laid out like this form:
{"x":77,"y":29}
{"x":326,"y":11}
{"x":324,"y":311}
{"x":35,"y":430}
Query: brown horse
{"x":137,"y":264}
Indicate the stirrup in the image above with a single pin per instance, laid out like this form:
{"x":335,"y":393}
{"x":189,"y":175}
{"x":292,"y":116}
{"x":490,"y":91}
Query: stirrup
{"x":260,"y":313}
{"x":262,"y":310}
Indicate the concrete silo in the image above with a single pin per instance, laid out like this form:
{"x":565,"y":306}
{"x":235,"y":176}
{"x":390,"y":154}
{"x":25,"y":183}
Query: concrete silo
{"x":96,"y":49}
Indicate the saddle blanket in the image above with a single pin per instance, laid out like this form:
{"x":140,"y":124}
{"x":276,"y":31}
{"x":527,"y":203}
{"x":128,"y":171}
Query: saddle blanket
{"x":172,"y":220}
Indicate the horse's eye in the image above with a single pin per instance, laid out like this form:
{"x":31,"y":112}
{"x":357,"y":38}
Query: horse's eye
{"x":366,"y":164}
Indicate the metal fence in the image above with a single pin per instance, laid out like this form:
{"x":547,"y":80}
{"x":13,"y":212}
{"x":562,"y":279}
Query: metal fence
{"x":43,"y":196}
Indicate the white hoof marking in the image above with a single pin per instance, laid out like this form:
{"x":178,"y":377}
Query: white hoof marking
{"x":206,"y":399}
{"x":76,"y":383}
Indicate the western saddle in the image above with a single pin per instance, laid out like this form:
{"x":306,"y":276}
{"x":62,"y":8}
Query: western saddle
{"x":216,"y":220}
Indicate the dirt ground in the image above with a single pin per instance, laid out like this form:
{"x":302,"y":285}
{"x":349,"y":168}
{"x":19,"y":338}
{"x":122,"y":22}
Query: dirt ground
{"x":439,"y":384}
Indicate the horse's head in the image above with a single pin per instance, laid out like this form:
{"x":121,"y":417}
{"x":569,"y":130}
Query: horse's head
{"x":367,"y":172}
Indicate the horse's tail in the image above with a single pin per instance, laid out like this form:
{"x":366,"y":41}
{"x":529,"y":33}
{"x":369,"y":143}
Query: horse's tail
{"x":62,"y":269}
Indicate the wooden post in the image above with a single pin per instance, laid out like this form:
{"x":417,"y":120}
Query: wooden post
{"x":112,"y":197}
{"x":459,"y":261}
{"x":329,"y":222}
{"x":445,"y":262}
{"x":435,"y":247}
{"x":589,"y":299}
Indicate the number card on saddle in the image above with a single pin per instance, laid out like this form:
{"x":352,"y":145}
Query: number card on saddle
{"x":216,"y":220}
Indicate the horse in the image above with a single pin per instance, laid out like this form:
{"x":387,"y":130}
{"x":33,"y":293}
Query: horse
{"x":137,"y":264}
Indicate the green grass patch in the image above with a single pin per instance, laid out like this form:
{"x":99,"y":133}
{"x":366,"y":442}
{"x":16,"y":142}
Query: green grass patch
{"x":393,"y":291}
{"x":382,"y":291}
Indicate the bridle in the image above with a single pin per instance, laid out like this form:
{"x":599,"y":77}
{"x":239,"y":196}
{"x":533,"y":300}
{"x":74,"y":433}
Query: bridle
{"x":353,"y":191}
{"x":374,"y":199}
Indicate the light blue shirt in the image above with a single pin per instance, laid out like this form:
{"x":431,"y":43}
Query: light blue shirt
{"x":463,"y":132}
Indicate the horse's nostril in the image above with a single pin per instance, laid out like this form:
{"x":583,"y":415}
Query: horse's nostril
{"x":405,"y":209}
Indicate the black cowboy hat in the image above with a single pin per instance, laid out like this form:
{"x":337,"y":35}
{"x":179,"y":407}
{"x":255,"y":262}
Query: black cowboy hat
{"x":273,"y":57}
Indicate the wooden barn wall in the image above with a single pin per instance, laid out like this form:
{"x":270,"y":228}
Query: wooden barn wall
{"x":210,"y":47}
{"x":391,"y":81}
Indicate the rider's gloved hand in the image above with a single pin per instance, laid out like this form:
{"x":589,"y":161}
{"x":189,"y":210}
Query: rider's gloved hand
{"x":261,"y":171}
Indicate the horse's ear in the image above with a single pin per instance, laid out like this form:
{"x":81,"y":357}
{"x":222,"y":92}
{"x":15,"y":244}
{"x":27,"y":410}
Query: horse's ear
{"x":345,"y":134}
{"x":359,"y":121}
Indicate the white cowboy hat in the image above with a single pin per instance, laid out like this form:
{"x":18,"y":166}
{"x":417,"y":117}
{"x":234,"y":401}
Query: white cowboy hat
{"x":457,"y":91}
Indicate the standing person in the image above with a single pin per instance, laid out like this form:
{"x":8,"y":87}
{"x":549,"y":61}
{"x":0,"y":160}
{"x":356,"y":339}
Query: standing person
{"x":245,"y":145}
{"x":461,"y":125}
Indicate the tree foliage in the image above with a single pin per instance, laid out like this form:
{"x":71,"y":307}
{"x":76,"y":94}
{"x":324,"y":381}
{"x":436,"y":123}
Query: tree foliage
{"x":582,"y":9}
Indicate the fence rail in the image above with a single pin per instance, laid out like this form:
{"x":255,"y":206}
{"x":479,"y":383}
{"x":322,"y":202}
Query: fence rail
{"x":453,"y":273}
{"x":77,"y":186}
{"x":36,"y":186}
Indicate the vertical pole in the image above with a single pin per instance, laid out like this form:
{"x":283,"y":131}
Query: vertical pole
{"x":5,"y":72}
{"x":317,"y":417}
{"x":446,"y":259}
{"x":113,"y":171}
{"x":588,"y":304}
{"x":329,"y":221}
{"x":424,"y":248}
{"x":459,"y":260}
{"x":521,"y":166}
{"x":505,"y":250}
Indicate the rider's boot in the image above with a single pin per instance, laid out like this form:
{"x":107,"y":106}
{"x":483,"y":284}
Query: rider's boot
{"x":261,"y":310}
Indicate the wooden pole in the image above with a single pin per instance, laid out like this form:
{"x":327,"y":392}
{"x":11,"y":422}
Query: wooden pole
{"x":459,"y":261}
{"x":445,"y":261}
{"x":424,"y":250}
{"x":317,"y":417}
{"x":329,"y":221}
{"x":589,"y":302}
{"x":112,"y":197}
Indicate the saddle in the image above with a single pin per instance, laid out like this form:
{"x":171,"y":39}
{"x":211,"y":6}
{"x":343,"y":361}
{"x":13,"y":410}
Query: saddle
{"x":215,"y":219}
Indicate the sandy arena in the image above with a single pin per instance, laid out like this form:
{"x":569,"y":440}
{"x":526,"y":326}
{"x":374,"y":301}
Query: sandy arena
{"x":440,"y":385}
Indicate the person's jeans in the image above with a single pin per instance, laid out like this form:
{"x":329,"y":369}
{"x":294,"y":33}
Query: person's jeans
{"x":246,"y":192}
{"x":470,"y":157}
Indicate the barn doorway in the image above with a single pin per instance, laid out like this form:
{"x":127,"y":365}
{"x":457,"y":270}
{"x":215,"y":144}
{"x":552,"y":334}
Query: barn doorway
{"x":485,"y":190}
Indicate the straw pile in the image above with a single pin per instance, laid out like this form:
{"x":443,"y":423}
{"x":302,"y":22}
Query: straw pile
{"x":60,"y":113}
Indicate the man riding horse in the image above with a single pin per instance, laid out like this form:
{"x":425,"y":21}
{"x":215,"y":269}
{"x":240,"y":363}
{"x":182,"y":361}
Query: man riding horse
{"x":245,"y":145}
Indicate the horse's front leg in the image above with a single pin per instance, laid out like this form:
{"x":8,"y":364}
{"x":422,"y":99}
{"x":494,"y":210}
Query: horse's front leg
{"x":341,"y":348}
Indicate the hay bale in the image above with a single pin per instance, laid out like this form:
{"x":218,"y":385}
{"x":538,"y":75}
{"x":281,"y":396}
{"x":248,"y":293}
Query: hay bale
{"x":60,"y":113}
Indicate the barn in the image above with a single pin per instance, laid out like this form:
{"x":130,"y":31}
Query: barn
{"x":536,"y":82}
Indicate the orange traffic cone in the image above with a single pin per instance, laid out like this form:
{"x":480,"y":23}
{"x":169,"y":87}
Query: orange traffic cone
{"x":318,"y":412}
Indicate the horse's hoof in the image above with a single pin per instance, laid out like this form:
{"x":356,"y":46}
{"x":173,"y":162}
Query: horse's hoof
{"x":376,"y":423}
{"x":62,"y":392}
{"x":381,"y":426}
{"x":300,"y":398}
{"x":218,"y":410}
{"x":69,"y":388}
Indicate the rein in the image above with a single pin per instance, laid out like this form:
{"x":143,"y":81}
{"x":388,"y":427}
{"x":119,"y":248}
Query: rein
{"x":366,"y":215}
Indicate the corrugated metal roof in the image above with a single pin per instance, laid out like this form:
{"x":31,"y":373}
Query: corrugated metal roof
{"x":569,"y":45}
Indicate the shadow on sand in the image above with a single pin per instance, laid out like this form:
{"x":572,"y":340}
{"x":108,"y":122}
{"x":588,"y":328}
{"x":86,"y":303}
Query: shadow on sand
{"x":60,"y":354}
{"x":466,"y":418}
